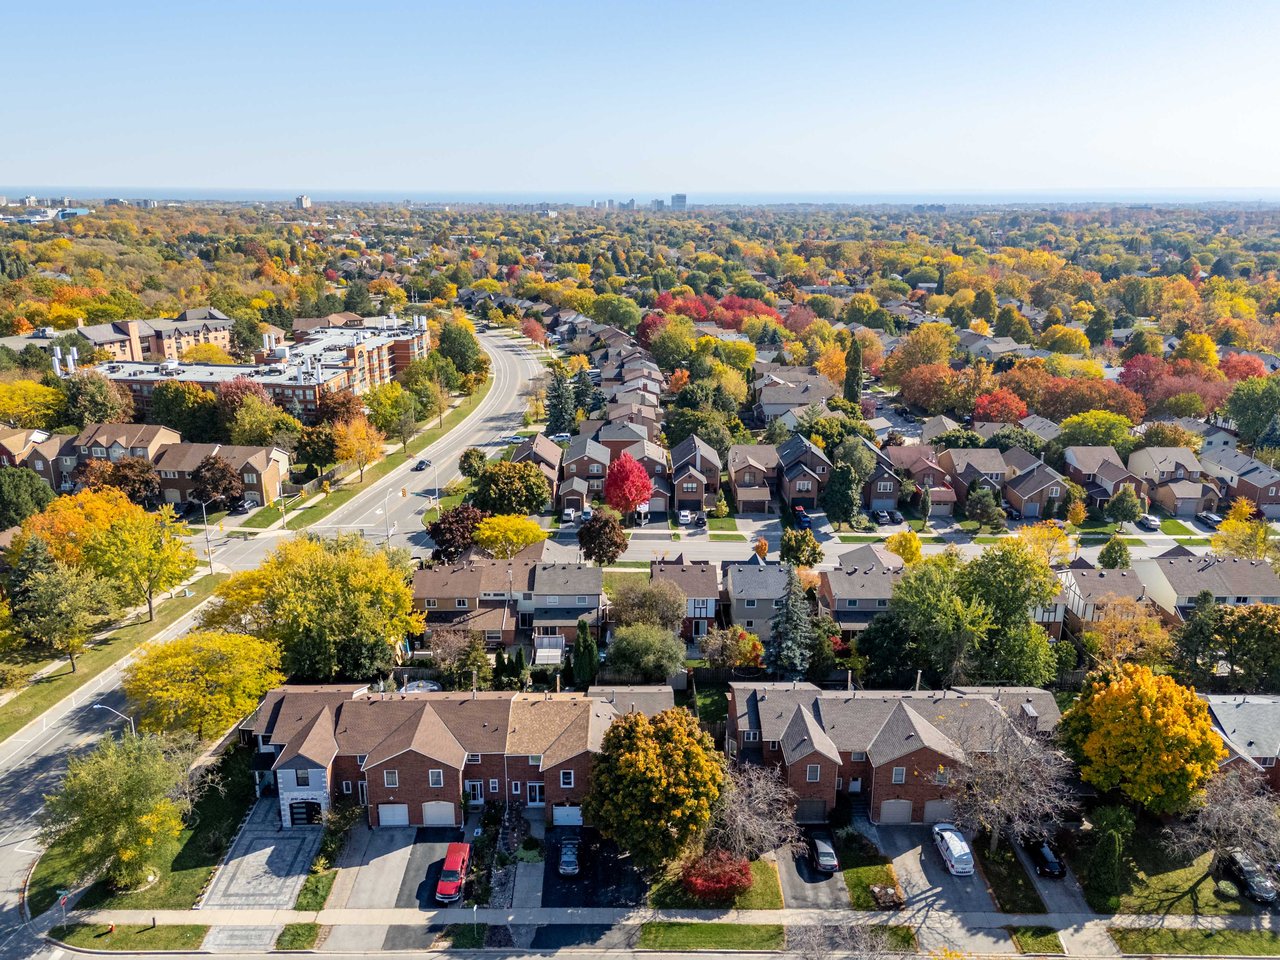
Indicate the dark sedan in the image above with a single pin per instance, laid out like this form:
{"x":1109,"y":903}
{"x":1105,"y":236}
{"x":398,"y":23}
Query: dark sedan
{"x":1044,"y":858}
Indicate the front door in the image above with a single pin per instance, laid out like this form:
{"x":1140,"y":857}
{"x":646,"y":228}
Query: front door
{"x":536,"y":795}
{"x":855,"y":786}
{"x":475,"y":791}
{"x":364,"y":792}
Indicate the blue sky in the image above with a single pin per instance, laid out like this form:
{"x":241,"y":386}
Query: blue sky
{"x":643,"y":99}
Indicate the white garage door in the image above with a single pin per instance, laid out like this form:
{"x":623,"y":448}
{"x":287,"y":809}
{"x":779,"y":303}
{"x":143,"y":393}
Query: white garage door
{"x":393,"y":814}
{"x":936,"y":811}
{"x":438,"y":813}
{"x":895,"y":811}
{"x":1030,"y":510}
{"x":566,"y":816}
{"x":658,"y":505}
{"x":883,"y":503}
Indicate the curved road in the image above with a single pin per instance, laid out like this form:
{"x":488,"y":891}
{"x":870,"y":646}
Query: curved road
{"x":32,"y":761}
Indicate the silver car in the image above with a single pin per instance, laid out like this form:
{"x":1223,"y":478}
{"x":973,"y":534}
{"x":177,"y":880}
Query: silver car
{"x":568,"y":865}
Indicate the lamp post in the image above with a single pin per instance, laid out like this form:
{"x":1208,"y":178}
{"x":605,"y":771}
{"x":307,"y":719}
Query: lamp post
{"x":386,"y":511}
{"x":204,"y":519}
{"x":103,"y":706}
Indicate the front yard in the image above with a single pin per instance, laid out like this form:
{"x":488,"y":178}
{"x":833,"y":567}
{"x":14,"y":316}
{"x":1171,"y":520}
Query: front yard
{"x":130,"y":937}
{"x":1012,"y":888}
{"x":1037,"y":940}
{"x":1204,"y":943}
{"x":863,"y":866}
{"x":678,"y":937}
{"x":765,"y":893}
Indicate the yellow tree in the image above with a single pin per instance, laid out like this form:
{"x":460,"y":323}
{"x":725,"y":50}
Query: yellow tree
{"x":206,"y":353}
{"x":1047,"y":541}
{"x":201,"y":683}
{"x":142,"y":553}
{"x":358,"y":441}
{"x":1126,"y":630}
{"x":905,"y":544}
{"x":1240,"y":535}
{"x":506,"y":535}
{"x":25,"y":403}
{"x":830,"y":364}
{"x":69,"y":523}
{"x":1198,"y":347}
{"x":1076,"y":513}
{"x":1145,"y":735}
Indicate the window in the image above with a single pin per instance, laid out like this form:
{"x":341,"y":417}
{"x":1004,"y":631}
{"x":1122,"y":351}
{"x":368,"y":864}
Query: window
{"x":566,"y":779}
{"x":884,"y":486}
{"x":595,"y":468}
{"x":749,"y":478}
{"x":750,"y":736}
{"x":750,"y":604}
{"x":821,"y":468}
{"x":583,"y":601}
{"x":435,"y":778}
{"x":882,"y":602}
{"x":942,"y":776}
{"x":804,"y":486}
{"x":777,"y":604}
{"x":858,"y":756}
{"x":1266,"y":761}
{"x":573,"y":468}
{"x":750,"y":624}
{"x":535,"y":759}
{"x":391,"y":778}
{"x":361,"y":758}
{"x":1242,"y":599}
{"x":899,"y":774}
{"x":839,"y":783}
{"x":515,"y":787}
{"x":302,"y":778}
{"x":473,"y":758}
{"x":849,"y":604}
{"x":461,"y":603}
{"x":1055,"y":491}
{"x":250,"y":478}
{"x":493,"y":786}
{"x":813,"y":773}
{"x":1271,"y":491}
{"x":429,"y":604}
{"x":773,"y":744}
{"x":346,"y":786}
{"x":553,"y":601}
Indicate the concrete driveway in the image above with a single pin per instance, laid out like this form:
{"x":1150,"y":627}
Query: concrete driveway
{"x":924,"y":878}
{"x":1059,"y":896}
{"x":266,"y":865}
{"x":803,"y":886}
{"x":399,"y":867}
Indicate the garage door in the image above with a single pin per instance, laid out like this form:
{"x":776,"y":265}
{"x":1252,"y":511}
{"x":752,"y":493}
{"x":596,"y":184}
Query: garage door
{"x":895,"y":811}
{"x":937,"y":810}
{"x":565,"y":815}
{"x":811,"y":811}
{"x":304,"y":813}
{"x":438,"y":813}
{"x":1030,"y":510}
{"x":884,"y":503}
{"x":393,"y":814}
{"x":658,"y":505}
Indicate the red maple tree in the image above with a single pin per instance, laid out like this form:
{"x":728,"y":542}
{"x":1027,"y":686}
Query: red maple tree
{"x":626,"y":485}
{"x":999,"y":406}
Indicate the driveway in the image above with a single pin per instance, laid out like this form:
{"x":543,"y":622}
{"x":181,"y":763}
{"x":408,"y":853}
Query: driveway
{"x":398,"y":867}
{"x":803,"y":886}
{"x":422,"y":870}
{"x":265,"y":866}
{"x":605,"y":877}
{"x":925,"y":880}
{"x":1059,"y":896}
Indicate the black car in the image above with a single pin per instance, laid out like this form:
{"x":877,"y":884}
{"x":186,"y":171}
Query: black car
{"x":1253,"y":883}
{"x":895,"y":516}
{"x":702,"y":520}
{"x":420,"y":466}
{"x":240,"y":508}
{"x":1044,"y":858}
{"x":882,"y":517}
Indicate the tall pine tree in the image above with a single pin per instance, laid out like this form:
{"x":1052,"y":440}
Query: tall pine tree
{"x":586,"y":658}
{"x":787,"y":651}
{"x":562,"y":406}
{"x":853,"y":372}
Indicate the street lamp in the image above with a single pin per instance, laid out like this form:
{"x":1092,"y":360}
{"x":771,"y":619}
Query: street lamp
{"x":204,"y":518}
{"x":386,"y":510}
{"x":103,"y":706}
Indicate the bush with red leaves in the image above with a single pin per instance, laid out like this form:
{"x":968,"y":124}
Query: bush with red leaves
{"x":717,"y":877}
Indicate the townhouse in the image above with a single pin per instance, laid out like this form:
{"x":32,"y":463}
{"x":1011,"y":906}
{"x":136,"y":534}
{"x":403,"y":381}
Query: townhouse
{"x":582,"y":471}
{"x":1174,"y":479}
{"x":883,"y":487}
{"x":1036,"y":492}
{"x":1213,"y":438}
{"x":752,"y":594}
{"x":262,"y":470}
{"x":114,"y":441}
{"x":1102,"y":473}
{"x":972,"y":469}
{"x":1242,"y":476}
{"x":695,"y":474}
{"x":1250,"y":729}
{"x":17,"y":442}
{"x":653,"y":458}
{"x":918,"y":463}
{"x":753,"y":476}
{"x":1173,"y":583}
{"x":803,"y":471}
{"x":699,"y":581}
{"x":859,"y":588}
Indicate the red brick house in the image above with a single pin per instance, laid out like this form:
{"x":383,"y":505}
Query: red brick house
{"x":753,"y":476}
{"x":803,"y":473}
{"x":262,"y":470}
{"x":699,"y":581}
{"x":587,"y":461}
{"x":695,"y":474}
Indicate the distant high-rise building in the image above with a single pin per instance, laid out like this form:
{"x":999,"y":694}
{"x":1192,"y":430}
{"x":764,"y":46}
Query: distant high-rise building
{"x":658,"y":204}
{"x":679,"y":201}
{"x":302,"y":202}
{"x":4,"y":201}
{"x":146,"y":204}
{"x":608,"y":204}
{"x":28,"y":201}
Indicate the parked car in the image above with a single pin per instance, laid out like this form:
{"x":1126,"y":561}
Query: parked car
{"x":896,"y":516}
{"x":882,"y":517}
{"x":514,"y":438}
{"x":954,"y":849}
{"x":560,"y":438}
{"x":1148,"y":522}
{"x":879,"y":404}
{"x":421,"y":465}
{"x":701,"y":520}
{"x":1210,"y":520}
{"x":240,"y":508}
{"x":685,"y":517}
{"x":453,"y":877}
{"x":568,"y":865}
{"x":822,"y":852}
{"x":568,"y":515}
{"x":1044,"y":858}
{"x":586,"y":514}
{"x":1253,"y":883}
{"x":803,"y":520}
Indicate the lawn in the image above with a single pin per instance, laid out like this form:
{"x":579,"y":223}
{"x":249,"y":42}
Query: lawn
{"x":989,"y":538}
{"x":1193,"y":541}
{"x":1098,"y":528}
{"x":48,"y":690}
{"x":1010,"y":885}
{"x":863,"y":866}
{"x":1210,"y":943}
{"x":713,"y":702}
{"x":728,"y":537}
{"x":860,"y":538}
{"x":215,"y":818}
{"x":465,"y":936}
{"x":676,"y":937}
{"x":613,"y":580}
{"x":722,"y":523}
{"x":668,"y":893}
{"x":1036,"y":939}
{"x":315,"y":891}
{"x":298,"y":936}
{"x":1134,"y":541}
{"x":131,"y":937}
{"x":1175,"y":528}
{"x":264,"y":517}
{"x":451,"y":501}
{"x":901,"y":939}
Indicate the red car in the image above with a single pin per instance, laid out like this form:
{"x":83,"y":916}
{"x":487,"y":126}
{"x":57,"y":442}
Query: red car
{"x":454,"y":875}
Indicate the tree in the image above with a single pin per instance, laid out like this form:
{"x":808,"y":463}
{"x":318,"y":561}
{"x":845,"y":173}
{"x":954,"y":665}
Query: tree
{"x":1196,"y":642}
{"x":755,"y":813}
{"x":929,"y":343}
{"x":92,"y":398}
{"x":339,"y":608}
{"x":1063,"y":339}
{"x":1197,"y":347}
{"x":451,"y":654}
{"x":1124,"y":507}
{"x":658,"y":602}
{"x":1097,"y":428}
{"x":1126,"y":630}
{"x":1076,"y":513}
{"x":1247,"y":638}
{"x":23,"y":493}
{"x":788,"y":650}
{"x":853,"y":371}
{"x":214,"y":479}
{"x":357,"y":299}
{"x":455,"y":530}
{"x":842,"y":495}
{"x":63,"y":607}
{"x":505,"y":487}
{"x":472,"y":462}
{"x":142,"y":553}
{"x":926,"y":506}
{"x":1236,"y":812}
{"x":562,"y":404}
{"x":982,"y":508}
{"x":586,"y":656}
{"x":359,"y":441}
{"x":800,"y":548}
{"x":1252,"y":404}
{"x":338,"y":406}
{"x":70,"y":522}
{"x":458,"y":343}
{"x":263,"y":424}
{"x":905,"y":544}
{"x":1047,"y":541}
{"x":999,"y":406}
{"x":626,"y":485}
{"x":317,"y":446}
{"x":393,"y":411}
{"x":1100,"y":327}
{"x":731,"y":647}
{"x":1016,"y":787}
{"x":1115,"y":555}
{"x":136,"y":477}
{"x":505,"y":535}
{"x":121,"y":807}
{"x":1145,"y":735}
{"x":585,"y":394}
{"x":654,"y":784}
{"x":31,"y":405}
{"x":186,"y":407}
{"x":201,"y":683}
{"x":1240,"y":535}
{"x":206,"y":353}
{"x":601,"y":538}
{"x":646,"y":652}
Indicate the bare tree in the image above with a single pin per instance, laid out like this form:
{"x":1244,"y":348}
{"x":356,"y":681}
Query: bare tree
{"x":813,"y":942}
{"x":1236,"y":812}
{"x":1018,"y":786}
{"x":755,"y":812}
{"x":448,"y":648}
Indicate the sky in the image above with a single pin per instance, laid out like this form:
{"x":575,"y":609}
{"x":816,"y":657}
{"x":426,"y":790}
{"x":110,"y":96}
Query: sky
{"x":620,"y":99}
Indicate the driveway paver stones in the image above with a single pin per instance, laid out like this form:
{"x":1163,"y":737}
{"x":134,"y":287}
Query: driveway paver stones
{"x":266,"y":865}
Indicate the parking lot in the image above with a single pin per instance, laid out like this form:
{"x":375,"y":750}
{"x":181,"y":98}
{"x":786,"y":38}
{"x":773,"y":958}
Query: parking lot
{"x":803,"y":886}
{"x":605,"y":878}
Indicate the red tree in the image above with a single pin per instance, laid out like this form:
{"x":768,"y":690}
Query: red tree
{"x":1067,"y":396}
{"x":1142,"y":373}
{"x":928,"y":386}
{"x":535,"y":331}
{"x":1241,"y":366}
{"x":717,"y":877}
{"x":626,"y":485}
{"x":799,"y":319}
{"x":232,"y":393}
{"x":999,"y":406}
{"x":649,"y":328}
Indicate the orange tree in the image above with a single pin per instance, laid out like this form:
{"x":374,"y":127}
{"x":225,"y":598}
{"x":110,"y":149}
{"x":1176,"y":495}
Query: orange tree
{"x":654,"y":784}
{"x":1145,"y":735}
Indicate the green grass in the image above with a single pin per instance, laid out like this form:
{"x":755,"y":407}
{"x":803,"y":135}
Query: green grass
{"x":1134,"y":541}
{"x":315,"y":891}
{"x":675,"y":937}
{"x":1235,"y":943}
{"x":1036,"y":939}
{"x":722,"y":523}
{"x":1175,"y":528}
{"x":131,"y":937}
{"x":863,"y":866}
{"x":713,"y":704}
{"x":298,"y":936}
{"x":1098,"y":528}
{"x":51,"y":688}
{"x":1010,"y":885}
{"x":988,"y":538}
{"x":613,"y":580}
{"x":451,"y":501}
{"x":266,"y":516}
{"x":465,"y":936}
{"x":1065,"y":698}
{"x":1193,"y":541}
{"x":180,"y":882}
{"x":728,"y":537}
{"x":765,"y":893}
{"x":637,"y":564}
{"x":860,"y":538}
{"x":901,"y":939}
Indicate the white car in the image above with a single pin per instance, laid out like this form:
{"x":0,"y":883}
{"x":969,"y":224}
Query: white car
{"x":686,"y":516}
{"x":560,"y":438}
{"x":568,"y":515}
{"x":954,"y":849}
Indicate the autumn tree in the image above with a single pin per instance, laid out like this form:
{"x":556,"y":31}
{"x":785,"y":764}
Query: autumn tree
{"x":800,"y":548}
{"x":1047,"y":541}
{"x":658,"y":602}
{"x":905,"y":544}
{"x":358,"y":441}
{"x":214,"y":479}
{"x":62,"y":607}
{"x":1114,"y":554}
{"x":68,"y":523}
{"x":455,"y":529}
{"x":338,"y":406}
{"x":999,"y":406}
{"x":92,"y":398}
{"x":393,"y":411}
{"x":505,"y":535}
{"x":263,"y":424}
{"x":755,"y":813}
{"x":201,"y":683}
{"x":23,"y":493}
{"x":1097,"y":428}
{"x":731,"y":647}
{"x":516,"y":488}
{"x":1145,"y":735}
{"x":472,"y":462}
{"x":1241,"y":535}
{"x":645,"y":653}
{"x":601,"y":537}
{"x":654,"y":785}
{"x":1126,"y":630}
{"x":1077,"y":513}
{"x":142,"y":553}
{"x":136,"y":477}
{"x":206,"y":353}
{"x":1124,"y":507}
{"x":626,"y":485}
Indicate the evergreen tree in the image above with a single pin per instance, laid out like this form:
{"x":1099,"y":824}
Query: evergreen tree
{"x":358,"y":300}
{"x":1099,"y":327}
{"x":853,"y":372}
{"x":586,"y":657}
{"x":519,"y":667}
{"x":583,"y":391}
{"x":34,"y":558}
{"x":926,"y":504}
{"x":562,"y":406}
{"x":1270,"y":437}
{"x":1115,"y":555}
{"x":788,"y":651}
{"x":842,"y":494}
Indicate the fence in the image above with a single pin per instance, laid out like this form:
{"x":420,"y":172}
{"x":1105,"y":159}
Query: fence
{"x":729,"y":674}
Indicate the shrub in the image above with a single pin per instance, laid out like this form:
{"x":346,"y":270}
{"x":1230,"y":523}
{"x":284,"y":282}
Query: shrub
{"x":12,"y":678}
{"x":717,"y":877}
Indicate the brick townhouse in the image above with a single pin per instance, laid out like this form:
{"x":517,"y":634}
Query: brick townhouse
{"x":262,"y":470}
{"x":416,"y":759}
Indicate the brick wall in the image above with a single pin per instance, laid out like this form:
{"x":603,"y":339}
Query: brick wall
{"x":414,"y":785}
{"x":921,"y":766}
